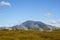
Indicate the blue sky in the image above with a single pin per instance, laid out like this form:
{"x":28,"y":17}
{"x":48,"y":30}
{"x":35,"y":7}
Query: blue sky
{"x":17,"y":11}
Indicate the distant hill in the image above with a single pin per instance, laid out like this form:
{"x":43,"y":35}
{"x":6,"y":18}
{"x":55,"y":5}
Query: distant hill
{"x":33,"y":25}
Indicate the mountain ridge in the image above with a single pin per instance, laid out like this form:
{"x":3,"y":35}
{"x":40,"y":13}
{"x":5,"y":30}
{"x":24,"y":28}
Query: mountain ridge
{"x":33,"y":25}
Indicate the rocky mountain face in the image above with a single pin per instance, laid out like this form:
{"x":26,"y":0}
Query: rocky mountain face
{"x":33,"y":25}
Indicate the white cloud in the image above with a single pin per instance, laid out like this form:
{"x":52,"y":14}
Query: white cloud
{"x":3,"y":3}
{"x":6,"y":25}
{"x":47,"y":15}
{"x":53,"y":22}
{"x":56,"y":21}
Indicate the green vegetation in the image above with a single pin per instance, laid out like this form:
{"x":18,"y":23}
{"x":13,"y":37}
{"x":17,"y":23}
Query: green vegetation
{"x":29,"y":35}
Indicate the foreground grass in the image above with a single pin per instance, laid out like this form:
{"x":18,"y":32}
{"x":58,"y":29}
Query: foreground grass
{"x":28,"y":35}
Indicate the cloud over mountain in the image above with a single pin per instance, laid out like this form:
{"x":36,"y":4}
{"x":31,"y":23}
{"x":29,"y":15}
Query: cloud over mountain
{"x":56,"y":21}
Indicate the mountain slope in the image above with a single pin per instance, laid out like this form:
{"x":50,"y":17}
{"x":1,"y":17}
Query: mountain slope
{"x":36,"y":25}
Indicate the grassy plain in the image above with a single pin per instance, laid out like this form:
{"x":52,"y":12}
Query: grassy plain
{"x":29,"y":35}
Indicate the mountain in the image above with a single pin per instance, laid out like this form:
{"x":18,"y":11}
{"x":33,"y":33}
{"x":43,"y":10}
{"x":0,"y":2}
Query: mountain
{"x":33,"y":25}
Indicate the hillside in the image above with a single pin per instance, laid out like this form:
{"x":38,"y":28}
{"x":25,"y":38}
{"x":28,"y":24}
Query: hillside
{"x":35,"y":25}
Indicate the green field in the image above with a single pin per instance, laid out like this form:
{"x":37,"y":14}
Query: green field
{"x":29,"y":35}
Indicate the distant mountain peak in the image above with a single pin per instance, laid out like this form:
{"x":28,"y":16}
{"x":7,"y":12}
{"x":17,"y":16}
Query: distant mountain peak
{"x":36,"y":25}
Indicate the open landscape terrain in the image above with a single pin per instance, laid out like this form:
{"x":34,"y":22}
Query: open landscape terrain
{"x":29,"y":35}
{"x":29,"y":19}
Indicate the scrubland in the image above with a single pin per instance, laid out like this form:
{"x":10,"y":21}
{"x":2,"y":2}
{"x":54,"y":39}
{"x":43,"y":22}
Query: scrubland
{"x":29,"y":35}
